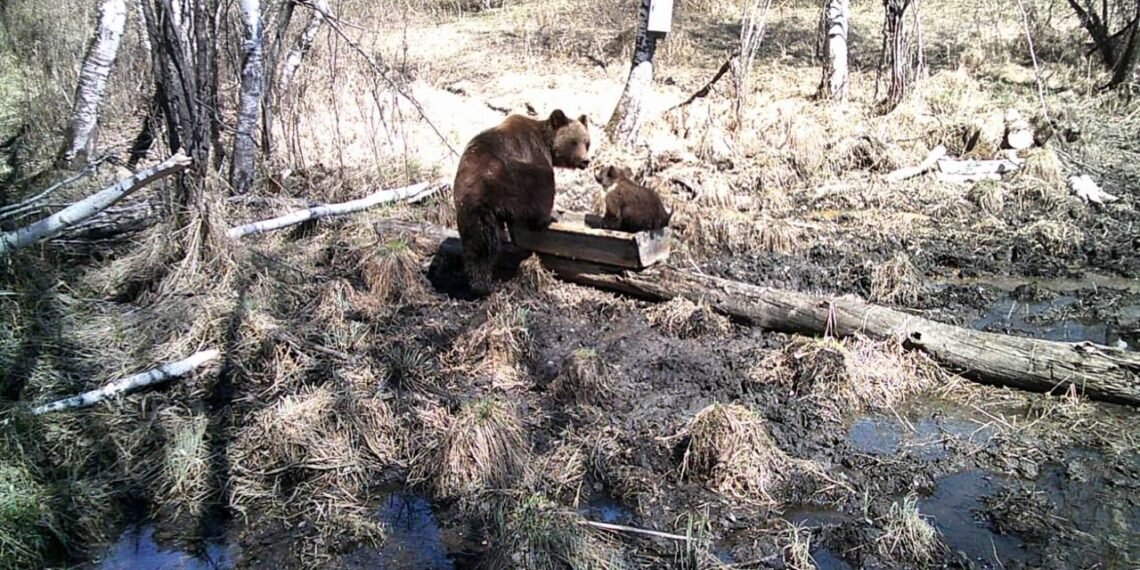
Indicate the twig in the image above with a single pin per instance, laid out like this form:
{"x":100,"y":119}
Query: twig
{"x":911,"y":171}
{"x":1033,"y":56}
{"x":623,"y":528}
{"x":30,"y":203}
{"x":335,"y":24}
{"x":704,"y":91}
{"x":160,"y":374}
{"x":413,"y":193}
{"x":88,"y":207}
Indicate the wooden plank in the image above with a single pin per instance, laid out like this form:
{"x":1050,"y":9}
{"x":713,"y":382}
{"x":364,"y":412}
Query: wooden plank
{"x":575,"y":236}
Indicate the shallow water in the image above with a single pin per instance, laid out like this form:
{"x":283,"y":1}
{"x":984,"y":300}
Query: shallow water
{"x":600,"y":508}
{"x":926,"y":433}
{"x":412,"y":538}
{"x":954,"y":509}
{"x":137,"y":550}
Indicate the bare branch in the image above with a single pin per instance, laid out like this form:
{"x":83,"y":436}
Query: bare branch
{"x":413,"y":193}
{"x":142,"y":380}
{"x":82,"y":210}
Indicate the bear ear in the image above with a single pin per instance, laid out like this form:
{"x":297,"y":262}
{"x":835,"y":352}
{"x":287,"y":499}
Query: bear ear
{"x":558,"y":119}
{"x":585,"y":121}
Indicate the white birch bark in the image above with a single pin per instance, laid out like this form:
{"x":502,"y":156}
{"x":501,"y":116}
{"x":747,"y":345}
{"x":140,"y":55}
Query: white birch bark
{"x":84,"y":209}
{"x":101,"y":54}
{"x":304,"y":43}
{"x":626,"y":120}
{"x":244,"y":154}
{"x":834,"y":83}
{"x":160,"y":374}
{"x":413,"y":193}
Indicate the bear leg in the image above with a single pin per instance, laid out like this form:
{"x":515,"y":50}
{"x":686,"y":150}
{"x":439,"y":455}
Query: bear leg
{"x":479,"y":236}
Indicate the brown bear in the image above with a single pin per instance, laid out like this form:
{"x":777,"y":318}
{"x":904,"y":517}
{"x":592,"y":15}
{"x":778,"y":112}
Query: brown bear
{"x":630,"y":207}
{"x":506,"y":174}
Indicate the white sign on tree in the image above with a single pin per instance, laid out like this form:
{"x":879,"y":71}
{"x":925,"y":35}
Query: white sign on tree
{"x":660,"y":16}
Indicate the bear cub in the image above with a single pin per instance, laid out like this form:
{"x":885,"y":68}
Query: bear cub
{"x":630,"y":207}
{"x":506,"y":175}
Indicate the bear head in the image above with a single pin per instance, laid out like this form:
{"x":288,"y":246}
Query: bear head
{"x":570,"y":146}
{"x":609,"y":175}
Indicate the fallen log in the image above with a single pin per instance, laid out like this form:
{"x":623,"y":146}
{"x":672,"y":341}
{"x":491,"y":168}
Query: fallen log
{"x":148,"y":378}
{"x":1098,"y":372}
{"x":927,"y":163}
{"x":89,"y":207}
{"x":413,"y":193}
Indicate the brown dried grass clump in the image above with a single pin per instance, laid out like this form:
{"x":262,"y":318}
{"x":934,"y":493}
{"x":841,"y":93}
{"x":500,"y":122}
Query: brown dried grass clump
{"x":534,"y":276}
{"x":796,"y":540}
{"x":683,"y":318}
{"x":391,"y":271}
{"x":730,"y":450}
{"x":723,"y":230}
{"x":562,"y":470}
{"x":498,"y":347}
{"x":538,"y":533}
{"x":776,"y":235}
{"x":484,"y":449}
{"x":312,"y":456}
{"x":1055,"y":236}
{"x":408,"y":367}
{"x":1043,"y":164}
{"x":989,"y":197}
{"x":583,"y":379}
{"x":848,"y":376}
{"x":907,"y":537}
{"x":896,"y":281}
{"x":184,"y":477}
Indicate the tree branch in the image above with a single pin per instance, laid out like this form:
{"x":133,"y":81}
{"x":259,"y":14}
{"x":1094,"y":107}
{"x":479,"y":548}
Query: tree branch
{"x":413,"y":193}
{"x":142,"y":380}
{"x":56,"y":223}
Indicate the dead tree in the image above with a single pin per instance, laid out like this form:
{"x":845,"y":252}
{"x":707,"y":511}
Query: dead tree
{"x":833,"y":85}
{"x":903,"y":58}
{"x":184,"y":34}
{"x":277,"y":89}
{"x":79,"y":139}
{"x":244,"y":157}
{"x":626,"y":120}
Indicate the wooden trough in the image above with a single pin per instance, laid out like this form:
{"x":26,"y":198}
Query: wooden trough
{"x":579,"y":237}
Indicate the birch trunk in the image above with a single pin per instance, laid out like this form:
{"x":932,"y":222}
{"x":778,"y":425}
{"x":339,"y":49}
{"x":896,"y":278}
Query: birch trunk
{"x":625,"y":122}
{"x":244,"y":156}
{"x":834,"y":83}
{"x":79,"y":139}
{"x":88,"y":207}
{"x":304,"y":43}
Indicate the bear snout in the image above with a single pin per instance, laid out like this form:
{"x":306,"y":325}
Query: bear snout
{"x":584,"y":163}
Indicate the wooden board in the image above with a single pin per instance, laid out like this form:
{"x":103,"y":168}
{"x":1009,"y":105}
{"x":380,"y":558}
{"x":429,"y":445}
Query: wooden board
{"x":573,"y":237}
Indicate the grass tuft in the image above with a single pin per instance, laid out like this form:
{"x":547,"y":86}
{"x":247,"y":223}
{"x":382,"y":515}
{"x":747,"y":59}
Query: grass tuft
{"x":896,"y":281}
{"x":907,"y":536}
{"x":730,"y":450}
{"x":583,"y":379}
{"x":683,"y":318}
{"x":538,"y":533}
{"x":23,"y":515}
{"x":484,"y":449}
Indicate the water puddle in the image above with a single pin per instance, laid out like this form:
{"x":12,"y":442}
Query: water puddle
{"x":923,"y":433}
{"x":412,"y":538}
{"x":601,"y":508}
{"x":827,"y":560}
{"x":953,"y":510}
{"x":1052,"y":319}
{"x":137,"y":550}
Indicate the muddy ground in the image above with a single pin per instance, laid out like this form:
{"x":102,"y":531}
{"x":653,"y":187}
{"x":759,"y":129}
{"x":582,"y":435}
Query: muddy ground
{"x":353,"y":358}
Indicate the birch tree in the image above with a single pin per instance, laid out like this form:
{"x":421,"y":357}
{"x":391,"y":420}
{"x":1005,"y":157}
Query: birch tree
{"x":79,"y":139}
{"x":833,"y":85}
{"x":304,"y":43}
{"x":626,"y":120}
{"x":244,"y":155}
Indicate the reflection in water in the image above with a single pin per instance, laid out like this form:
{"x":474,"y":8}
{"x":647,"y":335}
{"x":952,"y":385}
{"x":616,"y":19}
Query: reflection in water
{"x":137,"y":550}
{"x":411,"y":538}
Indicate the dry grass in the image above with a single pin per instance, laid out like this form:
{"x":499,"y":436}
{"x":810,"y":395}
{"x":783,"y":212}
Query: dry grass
{"x":23,"y":514}
{"x":498,"y":347}
{"x":584,"y":378}
{"x":896,"y":281}
{"x":309,"y":457}
{"x":391,"y":270}
{"x":1044,"y":165}
{"x":730,"y":450}
{"x":777,"y":235}
{"x":847,"y":376}
{"x":1058,"y":237}
{"x":683,"y":318}
{"x":538,"y":533}
{"x":484,"y":449}
{"x":907,"y":536}
{"x":989,"y":197}
{"x":408,"y":367}
{"x":796,"y":540}
{"x":184,"y":478}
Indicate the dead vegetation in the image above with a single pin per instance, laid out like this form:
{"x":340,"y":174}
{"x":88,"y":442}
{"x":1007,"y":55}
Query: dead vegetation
{"x":483,"y":450}
{"x":683,"y":318}
{"x":584,"y":378}
{"x":907,"y":537}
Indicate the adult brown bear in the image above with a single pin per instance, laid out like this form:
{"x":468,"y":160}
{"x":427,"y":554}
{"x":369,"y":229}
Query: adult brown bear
{"x":630,"y":207}
{"x":506,"y":174}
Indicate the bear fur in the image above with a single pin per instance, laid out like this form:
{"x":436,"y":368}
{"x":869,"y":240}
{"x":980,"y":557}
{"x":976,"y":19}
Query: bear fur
{"x":505,"y":175}
{"x":630,"y":207}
